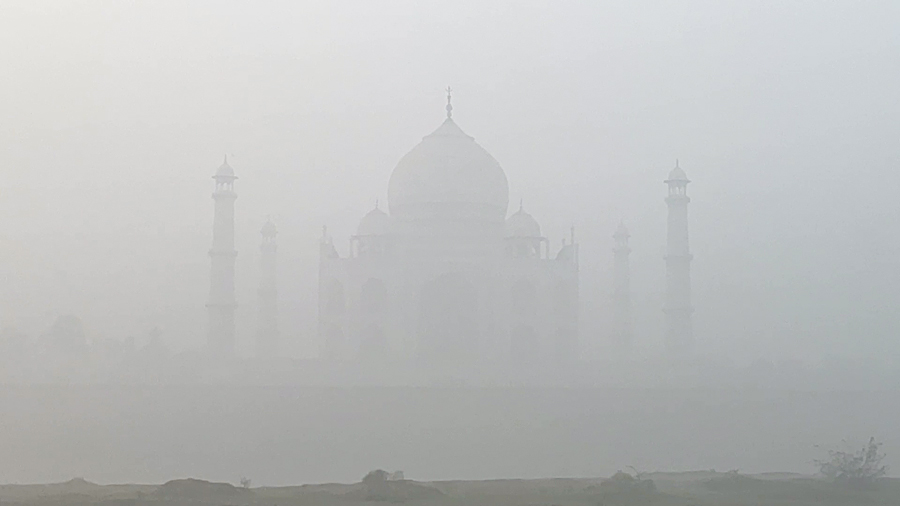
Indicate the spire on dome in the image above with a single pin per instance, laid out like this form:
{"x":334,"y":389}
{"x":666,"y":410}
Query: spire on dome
{"x":375,"y":222}
{"x":225,"y":172}
{"x":521,"y":204}
{"x":449,"y":105}
{"x":677,"y":175}
{"x":521,"y":224}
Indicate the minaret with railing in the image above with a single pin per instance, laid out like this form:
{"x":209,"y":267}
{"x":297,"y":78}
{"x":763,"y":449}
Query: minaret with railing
{"x":267,"y":318}
{"x":621,"y":296}
{"x":678,"y":308}
{"x":221,"y":304}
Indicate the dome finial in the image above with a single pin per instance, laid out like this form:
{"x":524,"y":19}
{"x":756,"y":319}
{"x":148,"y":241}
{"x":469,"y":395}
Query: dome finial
{"x":226,"y":159}
{"x":521,"y":204}
{"x":376,"y":203}
{"x":676,"y":164}
{"x":449,"y":106}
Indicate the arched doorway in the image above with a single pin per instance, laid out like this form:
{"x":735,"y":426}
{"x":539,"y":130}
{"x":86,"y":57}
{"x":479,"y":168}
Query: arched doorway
{"x":564,"y":302}
{"x":373,"y":343}
{"x":524,"y":300}
{"x":331,"y":316}
{"x":373,"y":296}
{"x":334,"y":305}
{"x":448,"y":319}
{"x":523,"y":343}
{"x":373,"y":301}
{"x":334,"y":339}
{"x":523,"y":338}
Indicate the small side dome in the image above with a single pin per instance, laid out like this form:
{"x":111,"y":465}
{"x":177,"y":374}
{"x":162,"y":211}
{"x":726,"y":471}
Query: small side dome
{"x":375,"y":222}
{"x":522,"y":224}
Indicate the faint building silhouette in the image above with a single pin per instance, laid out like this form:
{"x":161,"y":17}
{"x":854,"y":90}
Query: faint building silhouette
{"x":67,"y":335}
{"x":443,"y":276}
{"x":13,"y":343}
{"x":622,"y":330}
{"x":679,"y":326}
{"x":221,"y":304}
{"x":267,"y":318}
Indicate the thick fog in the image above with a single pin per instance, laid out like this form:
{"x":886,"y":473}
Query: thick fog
{"x":114,"y":116}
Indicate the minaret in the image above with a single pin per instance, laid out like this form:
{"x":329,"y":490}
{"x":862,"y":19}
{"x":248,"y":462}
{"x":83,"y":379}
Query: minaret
{"x":621,"y":297}
{"x":267,"y":324}
{"x":220,"y":338}
{"x":679,"y":328}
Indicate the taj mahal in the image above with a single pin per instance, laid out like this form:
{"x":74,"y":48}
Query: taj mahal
{"x":444,"y":274}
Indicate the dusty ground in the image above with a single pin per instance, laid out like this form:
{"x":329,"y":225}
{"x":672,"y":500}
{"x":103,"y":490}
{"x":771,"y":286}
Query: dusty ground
{"x":684,"y":489}
{"x":289,"y":435}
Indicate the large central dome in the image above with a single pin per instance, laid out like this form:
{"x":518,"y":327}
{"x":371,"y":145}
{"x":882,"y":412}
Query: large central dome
{"x":448,"y":169}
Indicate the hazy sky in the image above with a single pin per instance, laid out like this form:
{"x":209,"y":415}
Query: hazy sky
{"x":114,"y":115}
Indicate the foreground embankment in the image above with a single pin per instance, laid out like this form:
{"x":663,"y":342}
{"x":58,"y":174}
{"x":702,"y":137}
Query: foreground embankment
{"x":289,"y":435}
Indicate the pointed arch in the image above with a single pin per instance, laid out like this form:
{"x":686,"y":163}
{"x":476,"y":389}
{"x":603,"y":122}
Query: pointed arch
{"x":333,"y":303}
{"x":448,"y":319}
{"x":373,"y":296}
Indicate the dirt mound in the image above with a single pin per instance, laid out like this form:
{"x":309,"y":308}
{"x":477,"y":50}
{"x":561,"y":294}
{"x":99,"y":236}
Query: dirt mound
{"x":622,"y":489}
{"x":393,"y":491}
{"x":77,"y":485}
{"x":205,"y":491}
